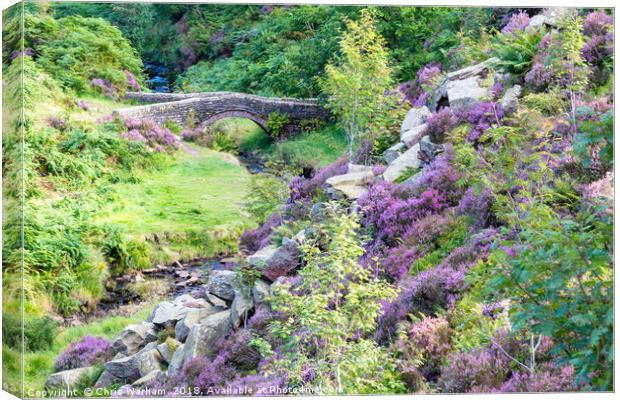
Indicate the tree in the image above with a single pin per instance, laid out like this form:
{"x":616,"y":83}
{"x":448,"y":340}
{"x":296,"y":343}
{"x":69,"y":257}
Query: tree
{"x":356,"y":86}
{"x":327,"y":317}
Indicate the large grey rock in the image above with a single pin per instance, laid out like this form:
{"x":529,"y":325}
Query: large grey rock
{"x":223,"y":284}
{"x":394,"y":152}
{"x":276,"y":261}
{"x":105,"y":380}
{"x":478,"y":70}
{"x":176,"y":363}
{"x":413,"y":136}
{"x":465,"y":93}
{"x":68,"y":379}
{"x":241,"y":305}
{"x":351,"y":185}
{"x":462,"y":88}
{"x":192,"y":317}
{"x":166,"y":313}
{"x":203,"y":336}
{"x":510,"y":99}
{"x":415,"y":117}
{"x":408,"y":159}
{"x":260,"y":291}
{"x":167,"y":349}
{"x":131,"y":368}
{"x":353,"y":178}
{"x":215,"y":301}
{"x":149,"y":379}
{"x":549,"y":17}
{"x":188,"y":301}
{"x":134,"y":337}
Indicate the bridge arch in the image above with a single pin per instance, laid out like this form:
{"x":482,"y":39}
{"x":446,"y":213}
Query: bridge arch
{"x":235,"y":114}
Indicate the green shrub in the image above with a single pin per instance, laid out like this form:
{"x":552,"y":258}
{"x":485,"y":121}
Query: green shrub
{"x":548,"y":103}
{"x":276,"y":122}
{"x":267,"y":193}
{"x":76,"y":50}
{"x":516,"y":50}
{"x":39,"y":332}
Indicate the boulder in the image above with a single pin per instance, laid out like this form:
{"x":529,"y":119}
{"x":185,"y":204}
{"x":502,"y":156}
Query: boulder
{"x":215,"y":301}
{"x":150,"y":378}
{"x":462,"y":88}
{"x":351,"y":185}
{"x":413,"y":136}
{"x":241,"y":305}
{"x":510,"y":99}
{"x":223,"y":284}
{"x":203,"y":336}
{"x":188,"y":301}
{"x":167,"y":349}
{"x":166,"y":313}
{"x":260,"y":291}
{"x":134,"y":337}
{"x":353,"y":178}
{"x":408,"y":159}
{"x":192,"y":317}
{"x":276,"y":261}
{"x":105,"y":380}
{"x":415,"y":117}
{"x":68,"y":379}
{"x":428,"y":150}
{"x":465,"y":93}
{"x":549,"y":17}
{"x":394,"y":152}
{"x":176,"y":362}
{"x":131,"y":368}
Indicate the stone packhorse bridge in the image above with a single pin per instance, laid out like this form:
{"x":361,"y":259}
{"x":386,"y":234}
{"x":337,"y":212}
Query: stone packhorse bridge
{"x":206,"y":108}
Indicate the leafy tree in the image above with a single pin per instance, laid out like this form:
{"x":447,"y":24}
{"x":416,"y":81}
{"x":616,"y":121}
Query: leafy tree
{"x":559,"y":274}
{"x":357,"y":84}
{"x":333,"y":310}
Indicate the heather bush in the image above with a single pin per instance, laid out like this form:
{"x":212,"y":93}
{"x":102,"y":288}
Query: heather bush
{"x":89,"y":351}
{"x":517,"y":22}
{"x":253,"y":240}
{"x":421,"y":348}
{"x":598,"y":48}
{"x":481,"y":117}
{"x":302,"y":189}
{"x":549,"y":378}
{"x":432,"y":290}
{"x":478,"y":206}
{"x":149,"y":132}
{"x":439,"y":123}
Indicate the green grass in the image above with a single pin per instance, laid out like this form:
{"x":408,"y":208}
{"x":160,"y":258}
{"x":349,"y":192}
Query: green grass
{"x":198,"y":192}
{"x":317,"y":148}
{"x":39,"y":365}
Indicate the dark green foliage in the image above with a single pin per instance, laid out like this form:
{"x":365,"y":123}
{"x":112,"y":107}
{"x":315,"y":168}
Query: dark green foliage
{"x":559,"y":275}
{"x":596,"y":133}
{"x":276,"y":123}
{"x":39,"y":332}
{"x":516,"y":50}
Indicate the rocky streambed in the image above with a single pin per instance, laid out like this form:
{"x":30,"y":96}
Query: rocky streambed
{"x":186,"y":327}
